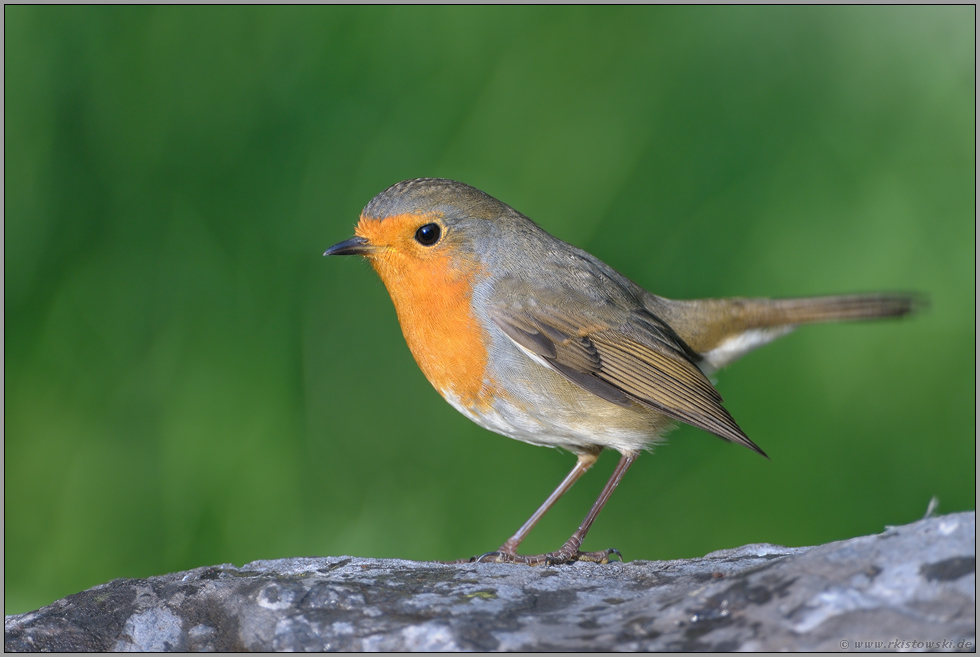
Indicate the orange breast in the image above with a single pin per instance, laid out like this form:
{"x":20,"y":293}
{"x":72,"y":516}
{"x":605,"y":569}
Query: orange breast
{"x":432,"y":292}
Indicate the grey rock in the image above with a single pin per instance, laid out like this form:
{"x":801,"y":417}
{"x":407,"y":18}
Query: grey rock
{"x":909,"y":588}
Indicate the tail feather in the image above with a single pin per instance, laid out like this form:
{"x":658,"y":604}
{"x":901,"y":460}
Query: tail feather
{"x":723,"y":330}
{"x":808,"y":310}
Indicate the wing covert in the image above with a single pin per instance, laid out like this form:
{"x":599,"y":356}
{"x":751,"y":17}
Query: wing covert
{"x":620,"y":356}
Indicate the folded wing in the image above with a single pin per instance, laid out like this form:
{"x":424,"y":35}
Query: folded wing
{"x":621,"y":356}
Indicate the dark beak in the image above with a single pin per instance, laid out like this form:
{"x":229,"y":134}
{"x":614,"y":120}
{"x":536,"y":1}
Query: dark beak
{"x":353,"y":246}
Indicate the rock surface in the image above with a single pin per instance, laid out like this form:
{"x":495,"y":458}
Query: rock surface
{"x":909,"y":588}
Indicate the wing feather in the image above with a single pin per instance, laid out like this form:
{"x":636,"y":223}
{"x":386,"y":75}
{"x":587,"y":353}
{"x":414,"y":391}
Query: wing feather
{"x":632,"y":357}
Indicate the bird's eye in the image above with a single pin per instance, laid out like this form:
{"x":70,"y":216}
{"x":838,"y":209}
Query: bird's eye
{"x":428,"y":234}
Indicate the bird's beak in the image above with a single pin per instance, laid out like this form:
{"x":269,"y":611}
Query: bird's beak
{"x":353,"y":246}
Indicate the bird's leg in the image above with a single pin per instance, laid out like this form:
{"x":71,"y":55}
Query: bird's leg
{"x":570,"y":550}
{"x":584,"y":463}
{"x":509,"y":549}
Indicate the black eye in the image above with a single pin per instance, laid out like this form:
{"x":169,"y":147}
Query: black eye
{"x":428,"y":234}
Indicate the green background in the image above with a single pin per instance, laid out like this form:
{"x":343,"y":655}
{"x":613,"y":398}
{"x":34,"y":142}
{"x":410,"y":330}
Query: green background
{"x":188,"y":382}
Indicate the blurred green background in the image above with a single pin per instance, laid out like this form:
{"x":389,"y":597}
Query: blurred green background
{"x":188,"y":382}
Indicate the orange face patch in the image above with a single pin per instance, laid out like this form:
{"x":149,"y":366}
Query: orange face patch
{"x":432,"y":288}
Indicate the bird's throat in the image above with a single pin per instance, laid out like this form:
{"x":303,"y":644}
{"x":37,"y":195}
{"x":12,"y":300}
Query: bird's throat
{"x":433,"y":299}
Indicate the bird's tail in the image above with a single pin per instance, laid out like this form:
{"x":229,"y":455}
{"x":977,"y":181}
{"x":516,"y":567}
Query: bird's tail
{"x":723,"y":330}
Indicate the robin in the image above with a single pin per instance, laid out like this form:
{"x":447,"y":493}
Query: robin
{"x":537,"y":340}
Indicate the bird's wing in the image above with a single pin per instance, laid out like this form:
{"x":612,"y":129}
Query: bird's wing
{"x":622,"y":356}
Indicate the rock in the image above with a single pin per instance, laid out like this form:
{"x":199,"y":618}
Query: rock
{"x":911,"y":587}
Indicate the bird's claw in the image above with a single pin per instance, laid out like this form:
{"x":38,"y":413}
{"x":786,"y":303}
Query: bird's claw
{"x":551,"y":559}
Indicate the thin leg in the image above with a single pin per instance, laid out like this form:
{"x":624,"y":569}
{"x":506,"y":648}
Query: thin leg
{"x":570,"y":550}
{"x":585,"y":461}
{"x":509,"y":549}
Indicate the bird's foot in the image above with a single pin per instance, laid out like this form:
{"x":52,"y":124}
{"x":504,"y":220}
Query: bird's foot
{"x":560,"y":556}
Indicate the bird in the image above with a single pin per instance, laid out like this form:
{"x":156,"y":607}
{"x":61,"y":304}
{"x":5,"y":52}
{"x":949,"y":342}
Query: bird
{"x":540,"y":341}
